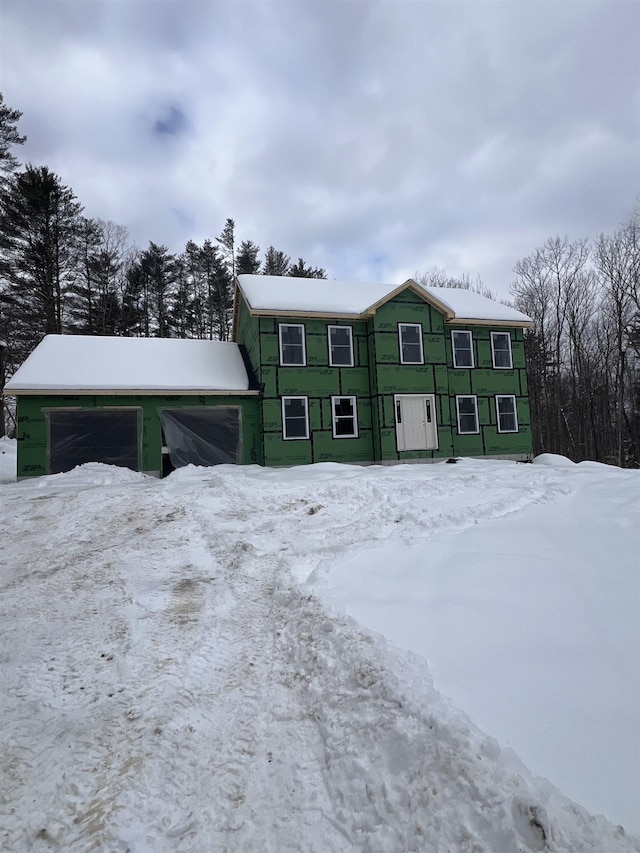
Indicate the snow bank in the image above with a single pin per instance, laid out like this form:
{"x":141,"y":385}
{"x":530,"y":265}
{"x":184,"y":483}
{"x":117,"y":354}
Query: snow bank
{"x":553,"y":460}
{"x":172,"y":683}
{"x":529,"y":620}
{"x":8,"y":459}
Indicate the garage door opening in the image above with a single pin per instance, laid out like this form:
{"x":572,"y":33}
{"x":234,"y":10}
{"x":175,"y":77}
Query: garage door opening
{"x":202,"y":436}
{"x":103,"y":435}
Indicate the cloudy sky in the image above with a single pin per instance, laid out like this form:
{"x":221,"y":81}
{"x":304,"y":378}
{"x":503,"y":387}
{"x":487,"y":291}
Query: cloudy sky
{"x":374,"y":139}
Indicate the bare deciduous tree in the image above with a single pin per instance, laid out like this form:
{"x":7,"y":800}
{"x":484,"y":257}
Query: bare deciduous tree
{"x":582,"y":369}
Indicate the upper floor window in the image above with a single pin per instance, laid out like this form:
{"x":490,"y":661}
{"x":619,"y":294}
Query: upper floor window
{"x":467,"y":411}
{"x":507,"y":414}
{"x":501,"y":350}
{"x":410,"y":335}
{"x":462,"y":344}
{"x":345,"y":417}
{"x":295,"y":417}
{"x":292,"y":348}
{"x":340,"y":346}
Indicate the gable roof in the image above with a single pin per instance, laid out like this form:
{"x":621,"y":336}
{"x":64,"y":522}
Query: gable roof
{"x":83,"y":364}
{"x":284,"y":295}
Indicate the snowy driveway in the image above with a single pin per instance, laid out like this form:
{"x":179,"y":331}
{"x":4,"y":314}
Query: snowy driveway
{"x":170,"y":684}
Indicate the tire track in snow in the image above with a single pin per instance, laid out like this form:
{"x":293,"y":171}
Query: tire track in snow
{"x":241,"y":716}
{"x":60,"y":708}
{"x":185,"y":728}
{"x":261,"y":767}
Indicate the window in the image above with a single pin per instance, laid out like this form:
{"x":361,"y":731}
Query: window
{"x":340,"y":346}
{"x":467,"y":409}
{"x":345,"y":418}
{"x":462,"y":349}
{"x":295,"y":417}
{"x":501,"y":350}
{"x":292,"y":350}
{"x":507,"y":415}
{"x":410,"y":343}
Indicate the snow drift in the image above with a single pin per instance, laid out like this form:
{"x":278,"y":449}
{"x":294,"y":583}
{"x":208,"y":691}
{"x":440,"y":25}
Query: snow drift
{"x":172,"y":682}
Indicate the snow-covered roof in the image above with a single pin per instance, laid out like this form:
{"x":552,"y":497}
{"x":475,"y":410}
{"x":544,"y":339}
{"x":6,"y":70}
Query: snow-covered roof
{"x":311,"y":295}
{"x":270,"y":293}
{"x":468,"y":305}
{"x":82,"y":363}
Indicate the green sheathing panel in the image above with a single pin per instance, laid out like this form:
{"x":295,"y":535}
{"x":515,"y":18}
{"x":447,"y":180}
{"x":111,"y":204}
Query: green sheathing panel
{"x":377,"y":419}
{"x":390,"y":377}
{"x":32,"y":425}
{"x":376,"y":377}
{"x":249,"y":334}
{"x":318,"y":381}
{"x":32,"y":435}
{"x":484,"y":381}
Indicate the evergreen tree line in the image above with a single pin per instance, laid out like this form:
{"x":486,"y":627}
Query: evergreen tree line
{"x":64,"y":273}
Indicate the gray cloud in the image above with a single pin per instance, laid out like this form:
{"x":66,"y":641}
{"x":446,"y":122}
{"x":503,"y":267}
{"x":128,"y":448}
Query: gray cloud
{"x":373,"y":139}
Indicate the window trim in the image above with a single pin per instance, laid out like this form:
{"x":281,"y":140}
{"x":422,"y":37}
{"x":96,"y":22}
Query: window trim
{"x":473,"y":397}
{"x":453,"y":349}
{"x":334,"y":417}
{"x":284,"y":363}
{"x":414,"y":326}
{"x":286,"y":437}
{"x":515,"y":413}
{"x":493,"y":351}
{"x":350,"y":330}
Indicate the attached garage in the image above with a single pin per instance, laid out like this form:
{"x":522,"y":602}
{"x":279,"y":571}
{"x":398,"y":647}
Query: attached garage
{"x":147,"y":404}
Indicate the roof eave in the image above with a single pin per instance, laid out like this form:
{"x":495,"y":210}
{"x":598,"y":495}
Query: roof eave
{"x":474,"y":321}
{"x":128,"y":392}
{"x":312,"y":315}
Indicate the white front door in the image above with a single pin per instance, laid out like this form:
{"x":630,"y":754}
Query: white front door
{"x":416,"y":427}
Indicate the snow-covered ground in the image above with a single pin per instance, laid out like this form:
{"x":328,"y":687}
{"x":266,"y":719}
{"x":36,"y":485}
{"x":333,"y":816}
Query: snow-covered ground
{"x":181,"y":672}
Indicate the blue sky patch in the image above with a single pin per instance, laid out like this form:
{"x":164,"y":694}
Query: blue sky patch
{"x":172,"y":123}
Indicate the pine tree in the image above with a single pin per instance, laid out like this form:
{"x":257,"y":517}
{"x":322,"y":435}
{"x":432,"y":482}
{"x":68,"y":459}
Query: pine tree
{"x":182,"y":306}
{"x":227,"y":241}
{"x":247,"y":260}
{"x":135,"y":314}
{"x":194,"y":292}
{"x":275,"y":262}
{"x":40,"y":220}
{"x":155,"y":278}
{"x":85,"y":285}
{"x":9,"y":136}
{"x":218,"y":283}
{"x":301,"y":270}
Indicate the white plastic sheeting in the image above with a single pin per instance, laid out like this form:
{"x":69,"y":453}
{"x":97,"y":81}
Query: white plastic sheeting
{"x":202,"y":436}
